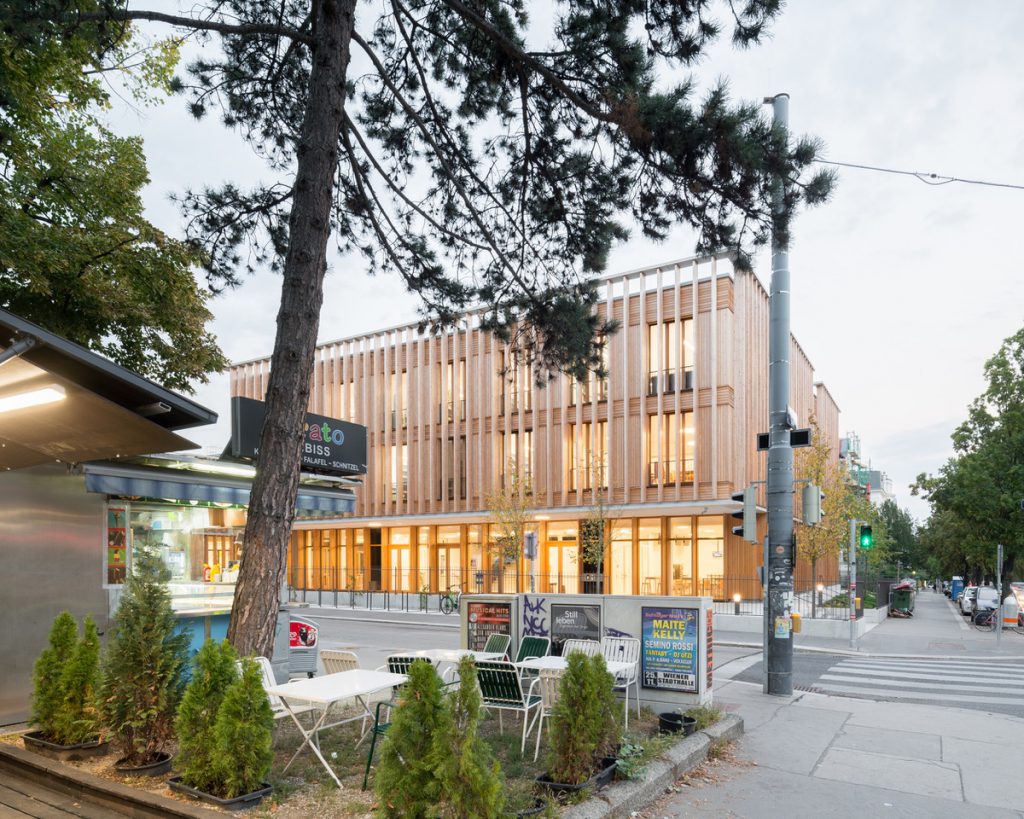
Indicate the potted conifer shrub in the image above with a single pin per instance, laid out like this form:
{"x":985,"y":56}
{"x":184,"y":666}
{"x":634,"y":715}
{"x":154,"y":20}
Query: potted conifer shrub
{"x":225,"y":730}
{"x":405,"y":782}
{"x":468,"y":776}
{"x":584,"y":728}
{"x":64,"y":701}
{"x":142,"y":679}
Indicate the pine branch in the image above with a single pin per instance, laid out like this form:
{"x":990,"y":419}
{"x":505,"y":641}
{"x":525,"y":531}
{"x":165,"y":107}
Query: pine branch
{"x":194,"y":24}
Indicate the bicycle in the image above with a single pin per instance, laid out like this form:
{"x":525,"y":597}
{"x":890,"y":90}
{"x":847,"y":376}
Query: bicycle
{"x":450,"y":601}
{"x":985,"y":620}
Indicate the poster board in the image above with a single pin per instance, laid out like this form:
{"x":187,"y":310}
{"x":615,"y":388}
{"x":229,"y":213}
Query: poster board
{"x":574,"y":621}
{"x":484,"y":619}
{"x":669,"y":648}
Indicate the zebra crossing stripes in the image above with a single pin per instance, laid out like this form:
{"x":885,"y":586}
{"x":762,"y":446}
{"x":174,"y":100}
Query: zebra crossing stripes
{"x":925,"y":680}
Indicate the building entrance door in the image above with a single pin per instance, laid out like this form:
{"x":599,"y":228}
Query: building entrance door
{"x":449,"y":567}
{"x":563,"y":568}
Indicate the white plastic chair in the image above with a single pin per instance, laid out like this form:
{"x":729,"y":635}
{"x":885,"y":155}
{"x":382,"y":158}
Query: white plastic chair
{"x":267,"y":673}
{"x":336,"y":660}
{"x":625,"y":650}
{"x":589,"y":648}
{"x":550,"y":680}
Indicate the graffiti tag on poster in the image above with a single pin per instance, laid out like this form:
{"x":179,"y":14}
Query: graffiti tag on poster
{"x":669,"y":656}
{"x":485,"y":619}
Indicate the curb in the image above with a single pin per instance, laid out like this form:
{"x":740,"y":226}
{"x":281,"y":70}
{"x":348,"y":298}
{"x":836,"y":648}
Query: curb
{"x":95,"y":790}
{"x":623,"y":798}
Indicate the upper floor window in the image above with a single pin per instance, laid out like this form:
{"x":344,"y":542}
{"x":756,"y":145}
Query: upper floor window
{"x":670,"y":448}
{"x":670,"y":356}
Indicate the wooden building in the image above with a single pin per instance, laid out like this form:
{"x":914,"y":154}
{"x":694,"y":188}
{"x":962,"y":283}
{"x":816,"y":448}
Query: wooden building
{"x":670,"y":434}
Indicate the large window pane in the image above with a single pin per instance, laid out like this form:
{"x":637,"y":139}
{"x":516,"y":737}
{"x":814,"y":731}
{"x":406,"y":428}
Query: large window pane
{"x":650,"y":555}
{"x":681,"y":555}
{"x":711,"y":555}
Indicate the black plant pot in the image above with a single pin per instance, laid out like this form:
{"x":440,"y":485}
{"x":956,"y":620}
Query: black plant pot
{"x":672,"y":723}
{"x":158,"y":767}
{"x":536,"y":810}
{"x":243,"y":802}
{"x":62,"y":753}
{"x":601,"y":777}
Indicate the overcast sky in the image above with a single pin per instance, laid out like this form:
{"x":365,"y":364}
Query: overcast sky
{"x":901,"y":290}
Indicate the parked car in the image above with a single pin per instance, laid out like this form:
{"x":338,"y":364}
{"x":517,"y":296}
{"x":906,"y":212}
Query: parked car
{"x":986,"y":599}
{"x":966,"y":601}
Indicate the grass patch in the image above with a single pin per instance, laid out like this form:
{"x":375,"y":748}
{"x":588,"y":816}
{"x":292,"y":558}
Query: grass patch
{"x":842,"y":601}
{"x":705,"y":715}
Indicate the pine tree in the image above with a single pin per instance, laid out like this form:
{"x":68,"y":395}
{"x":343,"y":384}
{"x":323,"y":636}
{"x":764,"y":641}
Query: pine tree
{"x":213,"y":673}
{"x":573,"y":733}
{"x":47,"y":692}
{"x":244,"y":734}
{"x":468,"y":776}
{"x":405,"y":782}
{"x":606,"y":710}
{"x":77,"y":719}
{"x":142,"y":680}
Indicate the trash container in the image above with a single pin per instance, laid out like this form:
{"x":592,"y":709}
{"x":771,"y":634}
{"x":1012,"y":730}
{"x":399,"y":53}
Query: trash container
{"x":901,"y":600}
{"x":304,"y":646}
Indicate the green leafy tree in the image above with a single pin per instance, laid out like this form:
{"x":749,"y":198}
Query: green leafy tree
{"x":77,"y":255}
{"x":899,"y":533}
{"x":405,"y":781}
{"x":244,"y":735}
{"x":47,"y":692}
{"x":510,"y":510}
{"x":485,"y":157}
{"x":142,"y":674}
{"x":826,"y":539}
{"x":468,"y":776}
{"x":77,"y":718}
{"x":199,"y":758}
{"x":977,"y":492}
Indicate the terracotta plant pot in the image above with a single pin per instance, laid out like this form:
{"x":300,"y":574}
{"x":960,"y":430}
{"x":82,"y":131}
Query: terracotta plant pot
{"x":62,"y":753}
{"x":158,"y":767}
{"x":243,"y":802}
{"x":600,"y":778}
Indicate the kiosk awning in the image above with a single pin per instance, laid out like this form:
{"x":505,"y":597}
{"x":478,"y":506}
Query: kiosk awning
{"x":167,"y":484}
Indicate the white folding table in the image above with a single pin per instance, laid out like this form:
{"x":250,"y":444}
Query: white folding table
{"x":615,"y":667}
{"x":451,"y":655}
{"x":327,"y":690}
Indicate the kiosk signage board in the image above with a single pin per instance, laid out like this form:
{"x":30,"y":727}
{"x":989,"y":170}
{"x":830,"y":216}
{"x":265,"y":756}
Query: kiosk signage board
{"x":487,"y":618}
{"x":669,"y":648}
{"x":576,"y":621}
{"x":329,"y":445}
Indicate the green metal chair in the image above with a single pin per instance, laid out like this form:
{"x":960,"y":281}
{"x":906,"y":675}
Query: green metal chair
{"x":498,"y":644}
{"x":502,"y":690}
{"x":379,"y":729}
{"x":531,"y":647}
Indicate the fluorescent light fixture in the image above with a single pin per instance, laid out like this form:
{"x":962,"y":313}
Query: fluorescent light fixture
{"x":32,"y":398}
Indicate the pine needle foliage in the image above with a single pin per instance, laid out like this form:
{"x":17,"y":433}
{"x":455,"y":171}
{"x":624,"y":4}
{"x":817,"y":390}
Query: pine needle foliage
{"x":584,"y":721}
{"x":142,"y":672}
{"x":468,"y":776}
{"x":47,"y":691}
{"x":405,"y":782}
{"x":243,"y":735}
{"x":213,"y":673}
{"x":77,"y":719}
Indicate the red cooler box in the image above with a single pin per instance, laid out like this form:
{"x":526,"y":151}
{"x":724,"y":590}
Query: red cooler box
{"x":303,"y":646}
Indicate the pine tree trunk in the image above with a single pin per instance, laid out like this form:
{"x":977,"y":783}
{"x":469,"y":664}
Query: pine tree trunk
{"x":272,"y":504}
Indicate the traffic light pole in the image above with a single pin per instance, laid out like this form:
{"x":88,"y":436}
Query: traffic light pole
{"x":779,"y":655}
{"x":852,"y":593}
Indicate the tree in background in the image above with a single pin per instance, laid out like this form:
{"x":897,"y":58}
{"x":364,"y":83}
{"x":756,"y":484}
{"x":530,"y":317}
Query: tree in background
{"x":486,"y":160}
{"x":509,"y":508}
{"x":977,"y":493}
{"x":77,"y":255}
{"x":842,"y":502}
{"x":900,"y":538}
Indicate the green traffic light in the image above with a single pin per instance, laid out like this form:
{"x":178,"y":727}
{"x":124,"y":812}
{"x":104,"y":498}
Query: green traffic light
{"x":866,"y":541}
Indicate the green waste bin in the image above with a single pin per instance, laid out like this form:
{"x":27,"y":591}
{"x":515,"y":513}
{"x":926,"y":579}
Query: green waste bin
{"x":901,"y":599}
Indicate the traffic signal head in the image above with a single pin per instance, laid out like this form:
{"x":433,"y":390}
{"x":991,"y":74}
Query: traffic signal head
{"x":747,"y":514}
{"x":866,"y":540}
{"x":813,"y":504}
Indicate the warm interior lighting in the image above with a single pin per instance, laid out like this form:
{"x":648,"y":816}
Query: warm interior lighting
{"x":32,"y":398}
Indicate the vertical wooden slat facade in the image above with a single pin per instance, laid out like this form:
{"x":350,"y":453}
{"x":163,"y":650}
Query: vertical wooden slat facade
{"x":452,"y":431}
